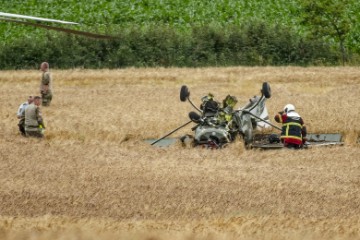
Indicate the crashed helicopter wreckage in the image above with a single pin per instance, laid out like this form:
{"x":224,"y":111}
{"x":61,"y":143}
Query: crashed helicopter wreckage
{"x":218,"y":124}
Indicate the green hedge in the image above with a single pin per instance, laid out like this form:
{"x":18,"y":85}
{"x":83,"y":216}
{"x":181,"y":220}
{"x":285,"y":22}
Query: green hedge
{"x":252,"y":44}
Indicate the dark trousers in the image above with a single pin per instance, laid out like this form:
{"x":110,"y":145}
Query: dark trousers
{"x":21,"y":125}
{"x":36,"y":134}
{"x":46,"y":98}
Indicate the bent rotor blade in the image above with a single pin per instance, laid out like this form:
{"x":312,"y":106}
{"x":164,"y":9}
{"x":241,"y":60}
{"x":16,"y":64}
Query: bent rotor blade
{"x":158,"y":140}
{"x":11,"y":15}
{"x":77,"y":32}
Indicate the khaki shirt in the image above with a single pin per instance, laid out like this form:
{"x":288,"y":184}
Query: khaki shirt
{"x":33,"y":117}
{"x":46,"y":83}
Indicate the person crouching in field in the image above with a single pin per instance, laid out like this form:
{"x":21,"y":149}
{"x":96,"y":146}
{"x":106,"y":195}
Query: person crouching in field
{"x":21,"y":114}
{"x":293,"y":131}
{"x":45,"y":86}
{"x":34,"y":124}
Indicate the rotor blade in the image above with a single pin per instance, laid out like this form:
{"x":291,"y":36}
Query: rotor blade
{"x":171,"y":132}
{"x":10,"y":15}
{"x":274,"y":126}
{"x":77,"y":32}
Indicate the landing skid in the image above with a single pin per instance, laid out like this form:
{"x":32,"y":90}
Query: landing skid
{"x":261,"y":141}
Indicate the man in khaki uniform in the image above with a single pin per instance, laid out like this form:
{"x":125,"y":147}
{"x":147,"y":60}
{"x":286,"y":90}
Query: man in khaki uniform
{"x":34,"y":124}
{"x":46,"y":82}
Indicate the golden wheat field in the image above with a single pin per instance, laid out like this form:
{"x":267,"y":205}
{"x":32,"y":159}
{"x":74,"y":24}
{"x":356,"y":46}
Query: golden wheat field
{"x":93,"y":176}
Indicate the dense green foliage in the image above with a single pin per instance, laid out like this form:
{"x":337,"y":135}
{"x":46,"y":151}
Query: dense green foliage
{"x":329,"y":18}
{"x":254,"y":44}
{"x":172,"y":33}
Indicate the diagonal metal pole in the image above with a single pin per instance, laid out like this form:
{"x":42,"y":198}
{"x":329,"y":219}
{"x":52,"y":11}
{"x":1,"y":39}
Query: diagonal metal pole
{"x":171,"y":132}
{"x":192,"y":104}
{"x":274,"y":126}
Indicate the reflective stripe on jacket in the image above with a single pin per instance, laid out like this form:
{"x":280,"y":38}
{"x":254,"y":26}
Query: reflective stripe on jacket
{"x":292,"y":124}
{"x":291,"y":130}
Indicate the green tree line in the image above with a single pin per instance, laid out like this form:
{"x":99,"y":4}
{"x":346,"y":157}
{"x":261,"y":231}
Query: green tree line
{"x":253,"y":44}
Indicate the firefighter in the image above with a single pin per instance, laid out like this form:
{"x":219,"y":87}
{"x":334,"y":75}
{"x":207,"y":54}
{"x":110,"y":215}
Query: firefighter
{"x":293,"y":130}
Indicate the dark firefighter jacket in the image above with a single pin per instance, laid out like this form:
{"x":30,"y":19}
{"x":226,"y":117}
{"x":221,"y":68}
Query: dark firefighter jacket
{"x":292,"y":127}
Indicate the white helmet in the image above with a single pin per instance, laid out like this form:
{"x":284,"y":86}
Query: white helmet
{"x":289,"y":108}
